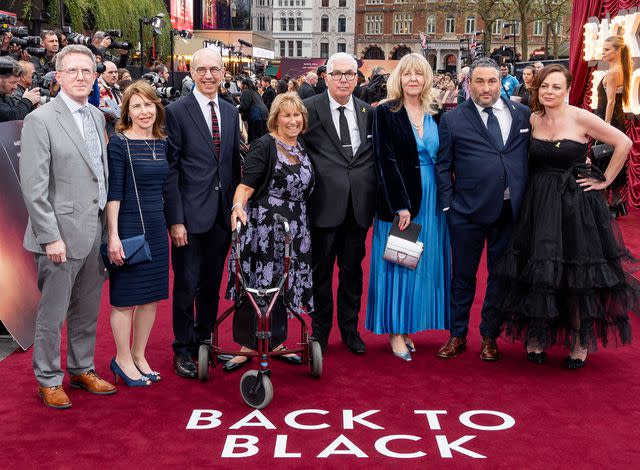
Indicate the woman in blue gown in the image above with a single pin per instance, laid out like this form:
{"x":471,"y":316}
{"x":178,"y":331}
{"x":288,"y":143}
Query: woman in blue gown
{"x":401,"y":300}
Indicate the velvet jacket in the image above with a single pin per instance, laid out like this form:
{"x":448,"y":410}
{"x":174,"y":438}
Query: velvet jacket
{"x":397,"y":162}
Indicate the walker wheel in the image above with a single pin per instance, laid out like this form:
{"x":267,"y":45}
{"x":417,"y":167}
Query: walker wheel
{"x":256,"y":389}
{"x":315,"y":359}
{"x":203,"y":362}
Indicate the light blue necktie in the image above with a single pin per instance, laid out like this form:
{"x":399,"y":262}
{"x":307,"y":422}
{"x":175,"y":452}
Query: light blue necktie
{"x":92,"y":139}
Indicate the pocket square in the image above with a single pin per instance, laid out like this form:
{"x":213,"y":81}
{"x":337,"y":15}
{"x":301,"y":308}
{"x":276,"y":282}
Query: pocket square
{"x":369,"y":136}
{"x":524,"y":131}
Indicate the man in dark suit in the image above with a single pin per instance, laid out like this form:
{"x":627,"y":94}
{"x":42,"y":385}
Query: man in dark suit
{"x":321,"y":85}
{"x":204,"y":169}
{"x":482,"y":175}
{"x":307,"y":88}
{"x":342,"y":204}
{"x":268,"y":93}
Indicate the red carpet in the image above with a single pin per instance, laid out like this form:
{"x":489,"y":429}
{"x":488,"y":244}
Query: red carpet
{"x":563,"y":419}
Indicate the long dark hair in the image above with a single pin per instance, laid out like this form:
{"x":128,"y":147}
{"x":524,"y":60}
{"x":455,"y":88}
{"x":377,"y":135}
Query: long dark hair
{"x":540,"y":77}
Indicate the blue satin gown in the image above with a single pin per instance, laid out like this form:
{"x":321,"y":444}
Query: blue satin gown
{"x":402,"y":300}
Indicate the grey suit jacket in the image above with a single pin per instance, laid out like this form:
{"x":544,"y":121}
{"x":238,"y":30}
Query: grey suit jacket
{"x":59,"y":186}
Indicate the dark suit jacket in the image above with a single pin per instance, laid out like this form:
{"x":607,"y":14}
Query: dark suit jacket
{"x":338,"y":177}
{"x":397,"y":162}
{"x":198,"y":179}
{"x":306,"y":91}
{"x":471,"y":170}
{"x":268,"y":96}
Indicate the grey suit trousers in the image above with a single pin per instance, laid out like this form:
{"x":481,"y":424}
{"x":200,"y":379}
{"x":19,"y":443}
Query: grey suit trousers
{"x":71,"y":291}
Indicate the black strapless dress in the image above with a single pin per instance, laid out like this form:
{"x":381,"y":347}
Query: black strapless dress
{"x":617,"y":121}
{"x":562,"y":270}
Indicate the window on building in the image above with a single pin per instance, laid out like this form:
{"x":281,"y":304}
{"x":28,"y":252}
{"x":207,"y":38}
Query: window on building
{"x":341,"y":47}
{"x":262,"y":23}
{"x":325,"y":3}
{"x":431,"y":25}
{"x":373,"y":24}
{"x":538,"y":27}
{"x":283,"y":52}
{"x":324,"y":50}
{"x":324,"y":24}
{"x":283,"y":24}
{"x":291,"y":51}
{"x":298,"y":24}
{"x":517,"y":25}
{"x":342,"y":24}
{"x":292,"y":24}
{"x":403,"y":23}
{"x":497,"y":27}
{"x":450,"y":25}
{"x":299,"y":48}
{"x":470,"y":25}
{"x":342,"y":3}
{"x":375,"y":2}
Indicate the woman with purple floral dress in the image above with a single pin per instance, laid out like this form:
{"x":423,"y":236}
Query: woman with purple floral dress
{"x":278,"y":179}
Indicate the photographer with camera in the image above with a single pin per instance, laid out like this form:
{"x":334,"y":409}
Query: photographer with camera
{"x":110,"y":95}
{"x":11,"y":108}
{"x":25,"y":81}
{"x":42,"y":57}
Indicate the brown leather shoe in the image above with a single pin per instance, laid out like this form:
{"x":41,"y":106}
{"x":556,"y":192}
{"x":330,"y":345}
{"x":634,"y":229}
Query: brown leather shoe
{"x":54,"y":397}
{"x":454,"y":346}
{"x":490,"y":351}
{"x":92,"y":383}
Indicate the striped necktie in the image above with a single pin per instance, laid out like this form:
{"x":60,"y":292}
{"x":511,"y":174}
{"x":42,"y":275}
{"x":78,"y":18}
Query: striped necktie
{"x":215,"y":129}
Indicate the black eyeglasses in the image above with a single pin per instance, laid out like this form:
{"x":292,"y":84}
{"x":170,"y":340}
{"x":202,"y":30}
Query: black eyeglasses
{"x":339,"y":75}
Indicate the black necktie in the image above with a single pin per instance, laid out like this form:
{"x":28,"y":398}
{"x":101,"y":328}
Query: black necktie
{"x":494,"y":128}
{"x":345,"y":136}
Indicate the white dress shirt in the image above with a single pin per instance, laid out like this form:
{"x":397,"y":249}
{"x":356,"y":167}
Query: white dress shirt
{"x":74,"y":107}
{"x":503,"y":115}
{"x":352,"y":121}
{"x":205,"y":107}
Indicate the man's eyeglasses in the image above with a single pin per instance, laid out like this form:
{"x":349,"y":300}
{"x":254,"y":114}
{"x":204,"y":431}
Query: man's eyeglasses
{"x":73,"y":72}
{"x":339,"y":75}
{"x":201,"y":71}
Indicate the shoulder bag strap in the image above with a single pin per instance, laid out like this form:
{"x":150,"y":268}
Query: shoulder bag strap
{"x":135,"y":186}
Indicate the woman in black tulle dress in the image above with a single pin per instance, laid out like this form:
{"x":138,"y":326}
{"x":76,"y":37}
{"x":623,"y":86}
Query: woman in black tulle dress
{"x":565,"y":283}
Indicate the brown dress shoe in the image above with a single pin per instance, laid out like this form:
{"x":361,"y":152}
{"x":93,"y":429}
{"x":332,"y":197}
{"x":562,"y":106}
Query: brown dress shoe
{"x":490,"y":351}
{"x":54,"y":397}
{"x":454,"y":346}
{"x":92,"y":383}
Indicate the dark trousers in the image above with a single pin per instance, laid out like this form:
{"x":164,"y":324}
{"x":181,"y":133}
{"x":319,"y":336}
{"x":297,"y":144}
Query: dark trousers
{"x":467,"y":242}
{"x":197,"y":270}
{"x":346,"y":245}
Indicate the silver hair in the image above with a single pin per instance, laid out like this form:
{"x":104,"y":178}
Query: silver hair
{"x":341,"y":56}
{"x":205,"y":50}
{"x":312,"y":75}
{"x":483,"y":62}
{"x":74,"y":49}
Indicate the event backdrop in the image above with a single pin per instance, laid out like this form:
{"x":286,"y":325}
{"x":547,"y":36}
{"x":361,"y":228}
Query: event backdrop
{"x":226,"y":14}
{"x":18,"y":279}
{"x":582,"y":75}
{"x":182,"y":14}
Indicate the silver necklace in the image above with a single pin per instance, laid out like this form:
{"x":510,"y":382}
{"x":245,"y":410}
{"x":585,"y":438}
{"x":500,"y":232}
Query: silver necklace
{"x":153,"y":150}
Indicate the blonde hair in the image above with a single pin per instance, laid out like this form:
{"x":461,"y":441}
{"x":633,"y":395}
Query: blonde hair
{"x":283,"y":100}
{"x":394,"y":85}
{"x":617,"y":42}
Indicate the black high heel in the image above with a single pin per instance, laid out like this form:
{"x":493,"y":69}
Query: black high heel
{"x":537,"y":358}
{"x":571,"y":363}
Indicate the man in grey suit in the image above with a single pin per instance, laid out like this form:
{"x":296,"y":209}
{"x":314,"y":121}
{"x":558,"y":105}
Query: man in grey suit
{"x":63,"y":172}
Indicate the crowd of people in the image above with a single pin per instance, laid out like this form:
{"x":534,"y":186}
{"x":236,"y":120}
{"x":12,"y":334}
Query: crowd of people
{"x":490,"y":170}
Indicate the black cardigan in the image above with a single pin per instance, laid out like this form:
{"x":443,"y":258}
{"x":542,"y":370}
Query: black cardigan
{"x":397,"y":162}
{"x":259,"y":165}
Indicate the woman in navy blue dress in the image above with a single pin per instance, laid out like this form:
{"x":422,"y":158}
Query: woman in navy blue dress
{"x":136,"y":289}
{"x":405,"y":136}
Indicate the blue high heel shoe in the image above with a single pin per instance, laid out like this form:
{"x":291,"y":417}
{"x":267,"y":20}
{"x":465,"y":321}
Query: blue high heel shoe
{"x":118,"y":372}
{"x":153,"y":375}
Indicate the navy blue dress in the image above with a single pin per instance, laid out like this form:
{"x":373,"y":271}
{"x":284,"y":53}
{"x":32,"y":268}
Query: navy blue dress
{"x":146,"y":282}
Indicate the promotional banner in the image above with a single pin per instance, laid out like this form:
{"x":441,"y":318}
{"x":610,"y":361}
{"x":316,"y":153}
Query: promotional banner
{"x":19,"y":293}
{"x":298,"y":67}
{"x":182,"y":14}
{"x":226,"y":14}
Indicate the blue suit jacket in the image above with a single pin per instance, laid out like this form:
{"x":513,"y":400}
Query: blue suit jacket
{"x":198,"y":179}
{"x":472,"y":172}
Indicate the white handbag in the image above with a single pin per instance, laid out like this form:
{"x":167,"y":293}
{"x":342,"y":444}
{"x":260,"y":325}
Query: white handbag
{"x":403,"y":252}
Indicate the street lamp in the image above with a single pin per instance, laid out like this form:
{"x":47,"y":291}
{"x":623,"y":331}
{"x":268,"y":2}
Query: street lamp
{"x":156,"y":23}
{"x":513,"y":35}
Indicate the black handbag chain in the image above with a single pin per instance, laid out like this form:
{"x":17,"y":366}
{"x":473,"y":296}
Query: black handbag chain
{"x":135,"y":186}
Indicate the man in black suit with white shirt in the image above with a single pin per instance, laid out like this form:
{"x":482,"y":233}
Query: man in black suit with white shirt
{"x":338,"y":142}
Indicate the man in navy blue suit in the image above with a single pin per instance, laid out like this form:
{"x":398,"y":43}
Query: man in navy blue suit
{"x":482,"y":175}
{"x":204,"y":169}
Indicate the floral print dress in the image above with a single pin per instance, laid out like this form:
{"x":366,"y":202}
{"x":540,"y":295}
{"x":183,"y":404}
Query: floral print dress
{"x":262,"y":242}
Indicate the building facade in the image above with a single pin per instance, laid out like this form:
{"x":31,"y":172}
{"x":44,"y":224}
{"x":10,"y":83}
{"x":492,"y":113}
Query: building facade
{"x":333,"y":27}
{"x":389,"y":29}
{"x":292,"y":27}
